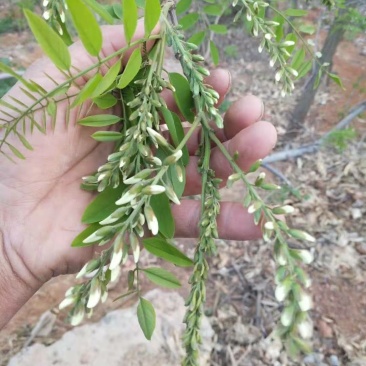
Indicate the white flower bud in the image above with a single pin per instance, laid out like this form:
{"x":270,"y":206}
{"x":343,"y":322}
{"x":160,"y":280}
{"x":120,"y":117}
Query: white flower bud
{"x":172,"y":196}
{"x":77,"y":318}
{"x":46,"y":2}
{"x":47,"y":14}
{"x":135,"y":246}
{"x":151,"y":220}
{"x":305,"y":329}
{"x":94,"y":294}
{"x":306,"y":256}
{"x":156,"y":136}
{"x":269,"y":225}
{"x":62,"y":17}
{"x":66,"y":302}
{"x":254,"y":207}
{"x":302,"y":235}
{"x":305,"y":302}
{"x":104,"y":297}
{"x":115,"y":273}
{"x":287,"y":316}
{"x":116,"y":259}
{"x":287,"y":43}
{"x":293,"y":71}
{"x":281,"y":291}
{"x":127,"y":197}
{"x":173,"y":158}
{"x":281,"y":260}
{"x":153,"y":189}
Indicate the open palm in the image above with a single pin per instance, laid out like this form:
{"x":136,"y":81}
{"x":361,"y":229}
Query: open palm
{"x":40,"y":198}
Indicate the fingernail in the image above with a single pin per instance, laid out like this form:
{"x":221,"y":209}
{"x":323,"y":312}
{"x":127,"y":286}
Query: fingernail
{"x":262,"y":110}
{"x":230,"y":83}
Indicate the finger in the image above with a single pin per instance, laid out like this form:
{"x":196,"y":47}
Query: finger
{"x":234,"y":222}
{"x":253,"y":143}
{"x":220,"y":80}
{"x":241,"y":114}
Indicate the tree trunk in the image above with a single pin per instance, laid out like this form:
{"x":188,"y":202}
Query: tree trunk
{"x":298,"y":115}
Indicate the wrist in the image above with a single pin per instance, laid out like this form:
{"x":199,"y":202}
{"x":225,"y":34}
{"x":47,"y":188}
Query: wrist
{"x":15,"y":291}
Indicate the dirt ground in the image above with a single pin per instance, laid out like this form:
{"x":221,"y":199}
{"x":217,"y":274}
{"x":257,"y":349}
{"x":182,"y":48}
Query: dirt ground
{"x":330,"y":203}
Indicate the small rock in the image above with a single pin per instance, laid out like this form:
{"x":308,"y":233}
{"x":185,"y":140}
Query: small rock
{"x":361,"y":248}
{"x":334,"y":361}
{"x":325,"y":329}
{"x":314,"y":359}
{"x":356,"y":213}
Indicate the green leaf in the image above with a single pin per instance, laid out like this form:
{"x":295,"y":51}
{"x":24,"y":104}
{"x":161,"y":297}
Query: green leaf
{"x":88,"y":90}
{"x":131,"y":70}
{"x":189,"y":20}
{"x":295,"y":12}
{"x":318,"y":78}
{"x":162,"y":277}
{"x":86,"y":26}
{"x":25,"y":142}
{"x":336,"y":79}
{"x":146,"y":317}
{"x":298,"y":59}
{"x":103,"y":205}
{"x":51,"y":43}
{"x":176,"y":131}
{"x":107,"y":136}
{"x":183,"y":95}
{"x":307,"y":29}
{"x":304,"y":69}
{"x":183,"y":6}
{"x":99,"y":120}
{"x":106,"y":101}
{"x":100,"y":9}
{"x":108,"y":79}
{"x":214,"y":10}
{"x":163,"y":249}
{"x":130,"y":15}
{"x":161,"y":207}
{"x":116,"y":11}
{"x":218,"y":28}
{"x":16,"y":152}
{"x":78,"y":241}
{"x":198,"y":38}
{"x":214,"y":52}
{"x":152,"y":15}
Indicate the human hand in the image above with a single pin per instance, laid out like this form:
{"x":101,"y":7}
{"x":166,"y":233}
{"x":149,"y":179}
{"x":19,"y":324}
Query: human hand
{"x":40,"y":198}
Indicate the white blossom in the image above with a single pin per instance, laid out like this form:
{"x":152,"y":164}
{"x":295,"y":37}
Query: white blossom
{"x":305,"y":302}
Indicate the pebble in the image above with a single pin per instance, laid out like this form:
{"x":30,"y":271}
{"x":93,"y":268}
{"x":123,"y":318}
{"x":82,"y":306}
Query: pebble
{"x":325,"y":329}
{"x":334,"y":361}
{"x":361,"y":248}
